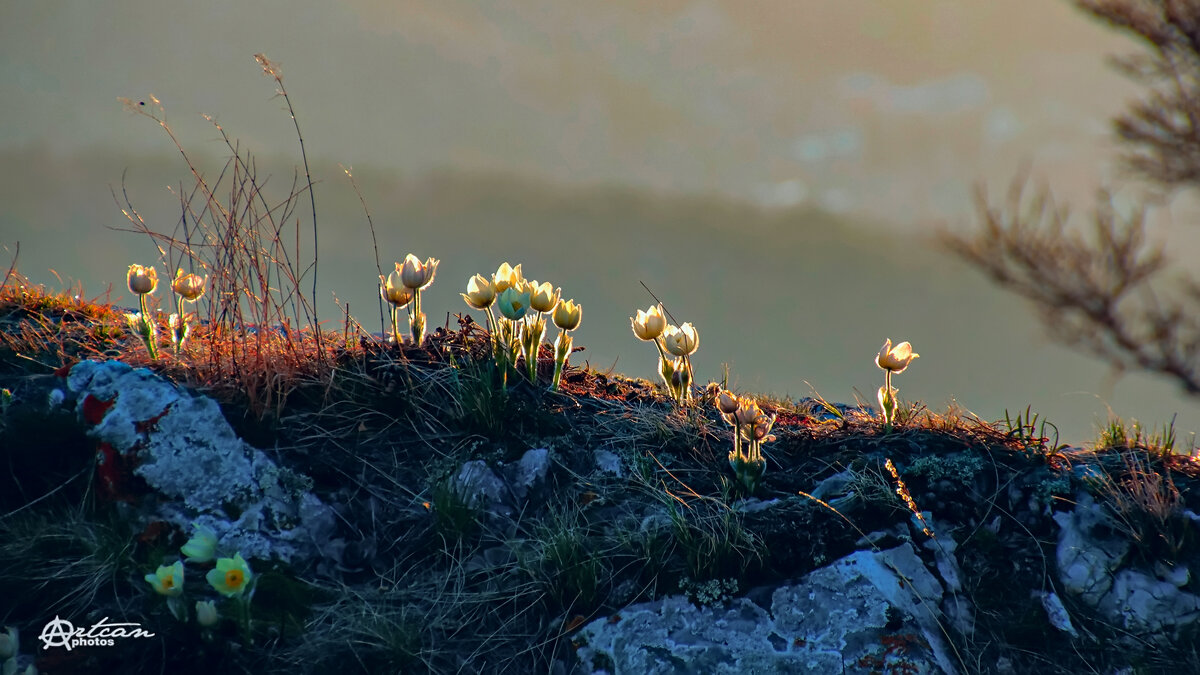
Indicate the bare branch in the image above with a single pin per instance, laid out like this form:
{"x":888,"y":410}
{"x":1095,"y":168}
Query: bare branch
{"x":1092,"y":293}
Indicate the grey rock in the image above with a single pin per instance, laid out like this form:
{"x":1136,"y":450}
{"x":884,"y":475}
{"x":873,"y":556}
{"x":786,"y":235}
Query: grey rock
{"x":187,"y":452}
{"x":1056,"y":612}
{"x":1146,"y":606}
{"x":1087,"y":556}
{"x":1177,"y":575}
{"x":832,"y":621}
{"x":609,"y":462}
{"x":481,"y":487}
{"x":528,"y":473}
{"x":754,"y":505}
{"x":833,"y":486}
{"x":1090,"y":560}
{"x":943,"y":546}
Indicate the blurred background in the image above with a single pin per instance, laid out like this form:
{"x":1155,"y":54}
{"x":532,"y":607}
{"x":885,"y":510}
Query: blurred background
{"x":774,"y":171}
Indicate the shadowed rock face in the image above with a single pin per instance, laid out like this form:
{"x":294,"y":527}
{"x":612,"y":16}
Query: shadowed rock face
{"x":1091,"y":559}
{"x":866,"y":611}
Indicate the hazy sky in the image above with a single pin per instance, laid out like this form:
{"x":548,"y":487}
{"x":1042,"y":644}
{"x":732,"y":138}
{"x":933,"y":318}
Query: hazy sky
{"x":886,"y":112}
{"x":887,"y":108}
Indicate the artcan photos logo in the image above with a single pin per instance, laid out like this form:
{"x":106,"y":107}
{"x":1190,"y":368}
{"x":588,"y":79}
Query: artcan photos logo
{"x":62,"y":633}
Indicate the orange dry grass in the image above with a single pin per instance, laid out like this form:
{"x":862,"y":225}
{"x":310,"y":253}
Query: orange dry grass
{"x":1148,"y":506}
{"x":47,"y":330}
{"x":43,"y":328}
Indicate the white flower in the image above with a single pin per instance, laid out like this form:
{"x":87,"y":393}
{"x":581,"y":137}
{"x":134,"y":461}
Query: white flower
{"x":142,"y":280}
{"x":895,"y":359}
{"x":416,"y":274}
{"x":513,"y":304}
{"x":481,"y":292}
{"x":231,"y":577}
{"x":543,"y":297}
{"x":681,"y":341}
{"x":649,"y":324}
{"x":567,"y":315}
{"x":507,"y":277}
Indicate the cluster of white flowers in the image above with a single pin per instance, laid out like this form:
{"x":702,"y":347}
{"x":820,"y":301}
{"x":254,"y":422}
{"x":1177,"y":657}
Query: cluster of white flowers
{"x":751,"y":428}
{"x":143,"y":280}
{"x":402,"y":288}
{"x":521,"y":327}
{"x":680,"y":341}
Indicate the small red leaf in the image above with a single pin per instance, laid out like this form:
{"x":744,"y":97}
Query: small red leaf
{"x":150,"y":424}
{"x":95,"y":409}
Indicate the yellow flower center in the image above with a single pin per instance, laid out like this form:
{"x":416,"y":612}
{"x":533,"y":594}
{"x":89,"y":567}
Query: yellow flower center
{"x":168,"y":583}
{"x":234,"y":579}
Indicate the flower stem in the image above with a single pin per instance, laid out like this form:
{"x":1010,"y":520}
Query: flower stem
{"x":244,"y":616}
{"x":493,"y":336}
{"x":562,"y":351}
{"x":536,"y":329}
{"x":395,"y":311}
{"x":665,"y":371}
{"x":416,"y":320}
{"x":686,"y":387}
{"x":147,"y":328}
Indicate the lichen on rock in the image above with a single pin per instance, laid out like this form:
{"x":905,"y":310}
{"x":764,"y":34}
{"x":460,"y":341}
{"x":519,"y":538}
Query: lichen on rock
{"x":187,"y":452}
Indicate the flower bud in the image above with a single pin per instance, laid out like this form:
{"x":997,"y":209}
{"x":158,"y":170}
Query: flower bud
{"x":206,"y":613}
{"x":727,"y":402}
{"x":202,"y":547}
{"x":481,"y":292}
{"x":543,"y":297}
{"x":513,"y":305}
{"x":887,"y":403}
{"x":567,"y":315}
{"x":189,"y":286}
{"x":142,"y":280}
